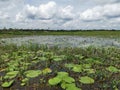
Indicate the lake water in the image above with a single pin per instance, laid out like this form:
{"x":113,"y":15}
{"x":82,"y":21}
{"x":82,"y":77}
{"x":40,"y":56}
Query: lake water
{"x":65,"y":41}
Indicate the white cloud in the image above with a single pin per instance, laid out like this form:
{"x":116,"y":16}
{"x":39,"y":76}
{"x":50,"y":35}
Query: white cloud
{"x":101,"y":12}
{"x":112,"y":10}
{"x":44,"y":11}
{"x":92,"y":14}
{"x":58,"y":14}
{"x":66,"y":13}
{"x":3,"y":15}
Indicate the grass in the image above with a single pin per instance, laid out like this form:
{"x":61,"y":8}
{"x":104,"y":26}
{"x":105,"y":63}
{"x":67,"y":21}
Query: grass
{"x":14,"y":33}
{"x":86,"y":68}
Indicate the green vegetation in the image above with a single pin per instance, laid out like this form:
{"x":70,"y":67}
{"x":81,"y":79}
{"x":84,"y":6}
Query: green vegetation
{"x":54,"y":68}
{"x":99,"y":33}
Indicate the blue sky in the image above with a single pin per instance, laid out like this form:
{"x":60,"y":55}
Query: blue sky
{"x":60,"y":14}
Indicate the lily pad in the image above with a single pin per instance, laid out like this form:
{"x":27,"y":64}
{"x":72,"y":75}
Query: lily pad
{"x":11,"y":75}
{"x":62,"y":74}
{"x":54,"y":81}
{"x":7,"y":84}
{"x":77,"y":68}
{"x":113,"y":69}
{"x":57,"y":58}
{"x":69,"y":79}
{"x":70,"y":86}
{"x":86,"y":80}
{"x":69,"y":65}
{"x":46,"y":71}
{"x":32,"y":73}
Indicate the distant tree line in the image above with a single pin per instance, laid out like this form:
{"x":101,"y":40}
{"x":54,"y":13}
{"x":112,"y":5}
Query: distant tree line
{"x":60,"y":30}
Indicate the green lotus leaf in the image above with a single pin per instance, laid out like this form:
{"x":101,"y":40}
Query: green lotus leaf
{"x":89,"y":70}
{"x":86,"y":66}
{"x":69,"y":79}
{"x":46,"y":71}
{"x":86,"y":80}
{"x":79,"y":56}
{"x":57,"y":58}
{"x":43,"y":58}
{"x":24,"y":81}
{"x":77,"y":68}
{"x":23,"y":84}
{"x":62,"y":74}
{"x":54,"y":81}
{"x":11,"y":75}
{"x":69,"y":65}
{"x":70,"y":86}
{"x":7,"y":84}
{"x":32,"y":73}
{"x":113,"y":69}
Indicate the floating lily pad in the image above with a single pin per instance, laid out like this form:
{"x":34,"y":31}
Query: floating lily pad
{"x":62,"y":74}
{"x":113,"y":69}
{"x":24,"y":81}
{"x":69,"y":79}
{"x":7,"y":84}
{"x":77,"y":68}
{"x":32,"y":73}
{"x":57,"y":58}
{"x":54,"y":81}
{"x":11,"y":75}
{"x":86,"y":80}
{"x":69,"y":65}
{"x":43,"y":58}
{"x":70,"y":86}
{"x":46,"y":71}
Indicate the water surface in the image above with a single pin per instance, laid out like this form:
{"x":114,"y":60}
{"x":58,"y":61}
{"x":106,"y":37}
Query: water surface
{"x":66,"y":41}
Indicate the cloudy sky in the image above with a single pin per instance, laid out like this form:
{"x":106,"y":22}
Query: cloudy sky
{"x":60,"y":14}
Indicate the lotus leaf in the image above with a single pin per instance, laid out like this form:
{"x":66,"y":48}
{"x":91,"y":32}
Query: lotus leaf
{"x":11,"y":75}
{"x":43,"y":58}
{"x":77,"y":68}
{"x":7,"y":84}
{"x":69,"y":79}
{"x":32,"y":73}
{"x":113,"y":69}
{"x":54,"y":81}
{"x":69,"y":65}
{"x":86,"y":80}
{"x":70,"y":86}
{"x":46,"y":71}
{"x":62,"y":74}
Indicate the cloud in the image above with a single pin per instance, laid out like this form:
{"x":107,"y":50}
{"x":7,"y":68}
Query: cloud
{"x":43,"y":12}
{"x":57,"y":14}
{"x":101,"y":12}
{"x":66,"y":13}
{"x":93,"y":14}
{"x":46,"y":11}
{"x":3,"y":16}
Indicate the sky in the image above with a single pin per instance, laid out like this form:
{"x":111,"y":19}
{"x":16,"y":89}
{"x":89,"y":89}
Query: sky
{"x":60,"y":14}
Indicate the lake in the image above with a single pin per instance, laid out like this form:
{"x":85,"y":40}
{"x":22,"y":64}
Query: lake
{"x":65,"y":41}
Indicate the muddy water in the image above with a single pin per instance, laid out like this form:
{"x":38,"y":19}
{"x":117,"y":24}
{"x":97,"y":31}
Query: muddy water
{"x":65,"y":41}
